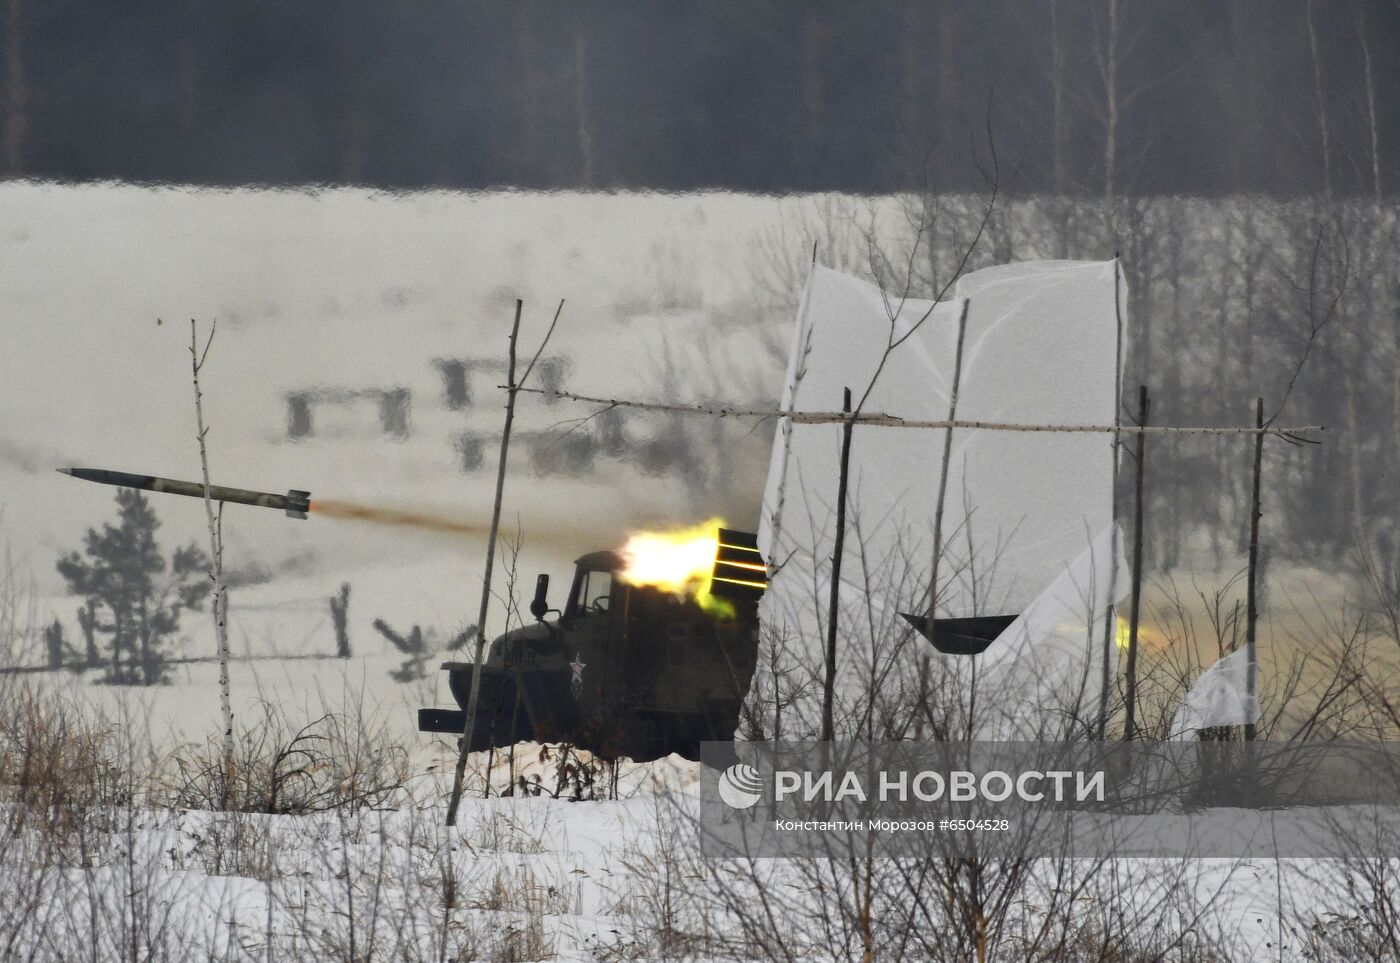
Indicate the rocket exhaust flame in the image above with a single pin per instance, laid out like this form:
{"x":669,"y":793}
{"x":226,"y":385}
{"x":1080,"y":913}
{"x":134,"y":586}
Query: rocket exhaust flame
{"x":680,"y":561}
{"x":329,"y":508}
{"x":673,"y":561}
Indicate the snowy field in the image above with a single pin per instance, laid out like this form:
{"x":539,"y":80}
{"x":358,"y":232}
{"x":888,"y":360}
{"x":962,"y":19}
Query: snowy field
{"x":380,"y":877}
{"x":371,"y":872}
{"x":538,"y":878}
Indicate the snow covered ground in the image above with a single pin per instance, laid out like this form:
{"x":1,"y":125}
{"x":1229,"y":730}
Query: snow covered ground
{"x":526,"y":877}
{"x":519,"y":878}
{"x":546,"y":879}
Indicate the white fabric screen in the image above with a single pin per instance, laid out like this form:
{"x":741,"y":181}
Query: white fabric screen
{"x":1021,"y":508}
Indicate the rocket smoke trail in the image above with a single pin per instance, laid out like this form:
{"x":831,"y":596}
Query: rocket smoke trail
{"x":560,"y":533}
{"x":390,"y":516}
{"x":297,"y":504}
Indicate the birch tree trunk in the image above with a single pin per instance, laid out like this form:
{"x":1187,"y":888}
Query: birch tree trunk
{"x":813,"y":40}
{"x":16,"y":90}
{"x":216,"y":561}
{"x":1110,"y":140}
{"x":584,"y":109}
{"x":1324,"y":122}
{"x":1057,"y":105}
{"x":529,"y":94}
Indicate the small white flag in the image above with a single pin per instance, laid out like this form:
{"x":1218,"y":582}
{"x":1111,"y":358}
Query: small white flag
{"x":1220,"y":697}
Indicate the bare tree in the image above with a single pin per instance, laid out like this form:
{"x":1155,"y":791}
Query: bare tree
{"x":583,"y":107}
{"x":16,"y":89}
{"x":216,"y":553}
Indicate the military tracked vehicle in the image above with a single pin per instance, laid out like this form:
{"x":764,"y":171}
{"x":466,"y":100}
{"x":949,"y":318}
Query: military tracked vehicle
{"x":623,"y":670}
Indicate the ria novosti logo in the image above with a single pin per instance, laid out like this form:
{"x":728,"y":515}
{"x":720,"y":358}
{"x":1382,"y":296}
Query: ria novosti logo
{"x":740,"y":786}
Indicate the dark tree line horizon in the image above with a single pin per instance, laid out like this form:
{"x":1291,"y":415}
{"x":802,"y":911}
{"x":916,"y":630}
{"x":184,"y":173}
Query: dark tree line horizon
{"x":1083,"y":97}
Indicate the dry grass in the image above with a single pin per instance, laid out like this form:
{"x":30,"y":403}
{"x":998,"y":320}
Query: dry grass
{"x":524,"y":901}
{"x":57,"y":762}
{"x":508,"y":830}
{"x":340,"y":760}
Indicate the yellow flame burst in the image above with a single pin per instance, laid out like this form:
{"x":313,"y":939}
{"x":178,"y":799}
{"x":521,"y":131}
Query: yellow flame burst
{"x":680,"y":561}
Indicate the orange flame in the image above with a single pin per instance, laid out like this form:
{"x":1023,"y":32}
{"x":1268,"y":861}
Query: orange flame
{"x":392,"y":516}
{"x":680,"y":561}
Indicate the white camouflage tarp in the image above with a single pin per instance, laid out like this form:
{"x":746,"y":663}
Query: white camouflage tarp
{"x":1041,"y":348}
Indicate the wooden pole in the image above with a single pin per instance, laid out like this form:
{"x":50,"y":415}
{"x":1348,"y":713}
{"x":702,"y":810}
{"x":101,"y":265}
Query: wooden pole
{"x":1110,"y":629}
{"x":943,"y":471}
{"x":938,"y":524}
{"x":833,"y":613}
{"x":470,"y":724}
{"x":1135,"y":605}
{"x":1251,"y":596}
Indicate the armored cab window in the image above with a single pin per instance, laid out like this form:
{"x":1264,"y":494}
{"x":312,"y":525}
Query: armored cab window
{"x":594,"y":593}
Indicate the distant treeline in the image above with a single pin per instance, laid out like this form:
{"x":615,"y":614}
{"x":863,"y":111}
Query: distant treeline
{"x":1203,"y":97}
